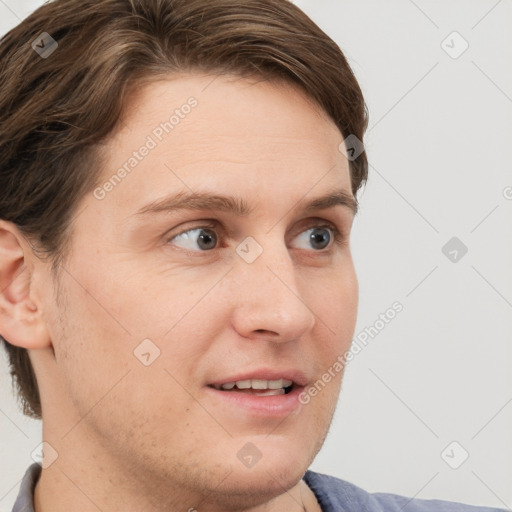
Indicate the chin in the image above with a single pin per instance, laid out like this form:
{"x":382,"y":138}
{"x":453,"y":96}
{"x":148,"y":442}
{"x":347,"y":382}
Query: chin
{"x":253,"y":487}
{"x":278,"y":464}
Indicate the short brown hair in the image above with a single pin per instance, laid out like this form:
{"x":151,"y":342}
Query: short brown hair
{"x":56,"y":111}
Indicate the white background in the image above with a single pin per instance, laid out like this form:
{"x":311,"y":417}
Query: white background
{"x":440,"y":148}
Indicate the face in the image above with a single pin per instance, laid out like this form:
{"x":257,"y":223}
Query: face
{"x":159,"y":306}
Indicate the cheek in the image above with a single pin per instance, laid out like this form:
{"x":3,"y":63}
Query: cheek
{"x":338,"y":307}
{"x":109,"y":387}
{"x":158,"y":304}
{"x":103,"y":331}
{"x":92,"y":349}
{"x":337,"y":319}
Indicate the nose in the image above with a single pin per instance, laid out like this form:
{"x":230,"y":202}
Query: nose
{"x":269,"y":303}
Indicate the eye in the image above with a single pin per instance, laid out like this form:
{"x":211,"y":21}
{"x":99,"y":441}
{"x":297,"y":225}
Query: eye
{"x":202,"y":236}
{"x":320,"y":236}
{"x":205,"y":237}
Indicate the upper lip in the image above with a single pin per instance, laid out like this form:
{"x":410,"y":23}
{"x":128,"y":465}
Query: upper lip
{"x":296,"y":376}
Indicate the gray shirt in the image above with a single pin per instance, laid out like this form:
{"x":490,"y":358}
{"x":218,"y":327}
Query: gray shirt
{"x":333,"y":494}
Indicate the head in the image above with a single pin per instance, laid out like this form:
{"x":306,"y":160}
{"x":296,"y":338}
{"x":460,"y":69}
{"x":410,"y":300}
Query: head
{"x":121,"y":312}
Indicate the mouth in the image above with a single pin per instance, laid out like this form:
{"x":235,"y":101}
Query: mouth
{"x":257,"y":387}
{"x":268,"y":393}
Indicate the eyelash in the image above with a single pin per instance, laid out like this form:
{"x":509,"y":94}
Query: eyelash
{"x":339,"y":238}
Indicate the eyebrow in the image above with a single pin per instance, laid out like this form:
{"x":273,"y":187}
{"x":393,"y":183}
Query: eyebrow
{"x":238,"y":206}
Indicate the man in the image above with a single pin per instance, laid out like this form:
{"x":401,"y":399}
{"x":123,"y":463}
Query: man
{"x":179,"y":183}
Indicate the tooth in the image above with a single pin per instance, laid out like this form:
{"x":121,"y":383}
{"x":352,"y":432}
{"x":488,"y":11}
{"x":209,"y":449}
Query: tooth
{"x":259,"y":384}
{"x":275,"y":384}
{"x":270,"y":392}
{"x":287,"y":383}
{"x":243,"y":384}
{"x":228,"y":385}
{"x":216,"y":386}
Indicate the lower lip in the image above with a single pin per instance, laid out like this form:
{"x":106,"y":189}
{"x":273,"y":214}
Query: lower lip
{"x":270,"y":406}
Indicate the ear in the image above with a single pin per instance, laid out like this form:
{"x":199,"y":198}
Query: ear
{"x":21,"y":320}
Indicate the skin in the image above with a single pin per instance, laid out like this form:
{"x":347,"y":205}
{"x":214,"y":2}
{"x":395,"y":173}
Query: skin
{"x":134,"y":437}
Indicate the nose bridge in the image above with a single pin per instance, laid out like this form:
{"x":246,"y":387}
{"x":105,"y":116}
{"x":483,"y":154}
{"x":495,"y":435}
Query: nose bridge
{"x":267,"y":292}
{"x":267,"y":263}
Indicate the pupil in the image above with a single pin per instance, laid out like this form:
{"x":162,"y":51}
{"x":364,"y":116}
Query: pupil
{"x":205,"y":237}
{"x":317,"y":236}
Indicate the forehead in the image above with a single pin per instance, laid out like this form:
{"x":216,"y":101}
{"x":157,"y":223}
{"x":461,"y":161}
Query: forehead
{"x":246,"y":110}
{"x":224,"y":133}
{"x":218,"y":95}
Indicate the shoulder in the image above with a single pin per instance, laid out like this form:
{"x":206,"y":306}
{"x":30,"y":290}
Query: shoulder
{"x":335,"y":494}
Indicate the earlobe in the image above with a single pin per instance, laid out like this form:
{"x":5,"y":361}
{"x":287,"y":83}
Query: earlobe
{"x":21,"y":320}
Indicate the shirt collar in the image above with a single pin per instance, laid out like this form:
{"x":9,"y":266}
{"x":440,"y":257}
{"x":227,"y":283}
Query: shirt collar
{"x":25,"y":500}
